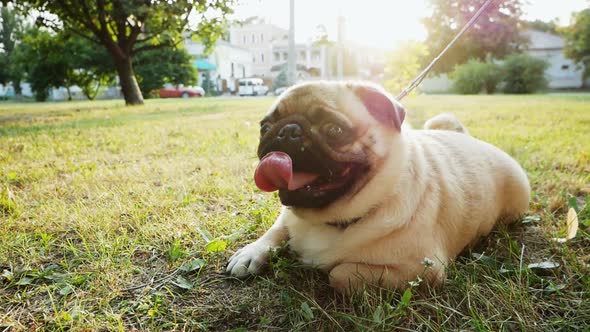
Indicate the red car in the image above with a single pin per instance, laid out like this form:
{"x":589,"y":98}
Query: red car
{"x":181,"y":92}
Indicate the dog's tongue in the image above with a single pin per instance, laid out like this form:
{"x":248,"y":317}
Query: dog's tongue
{"x":275,"y":172}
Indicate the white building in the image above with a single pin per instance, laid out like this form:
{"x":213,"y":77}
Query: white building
{"x":562,"y":72}
{"x":225,"y":64}
{"x":7,"y":91}
{"x":311,"y":60}
{"x":258,"y":37}
{"x":269,"y":46}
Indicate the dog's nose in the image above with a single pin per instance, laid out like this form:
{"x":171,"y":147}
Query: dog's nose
{"x":290,"y":133}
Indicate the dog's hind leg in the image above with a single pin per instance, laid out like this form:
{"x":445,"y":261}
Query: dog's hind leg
{"x":350,"y":276}
{"x":446,"y":121}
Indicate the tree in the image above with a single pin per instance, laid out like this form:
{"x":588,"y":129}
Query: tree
{"x":4,"y":69}
{"x":11,"y":27}
{"x":126,"y":28}
{"x":577,"y":40}
{"x":88,"y":66}
{"x":550,"y":27}
{"x":403,"y":65}
{"x":158,"y":67}
{"x":494,"y":34}
{"x":41,"y":57}
{"x":55,"y":60}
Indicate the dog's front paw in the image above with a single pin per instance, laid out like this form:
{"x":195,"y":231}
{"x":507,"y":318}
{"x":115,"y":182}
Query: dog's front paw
{"x":248,"y":260}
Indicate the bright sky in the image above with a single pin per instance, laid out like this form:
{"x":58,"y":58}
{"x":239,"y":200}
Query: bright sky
{"x":379,"y":23}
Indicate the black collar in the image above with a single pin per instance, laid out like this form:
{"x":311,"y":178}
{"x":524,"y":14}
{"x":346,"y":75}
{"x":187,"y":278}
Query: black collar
{"x":343,"y":224}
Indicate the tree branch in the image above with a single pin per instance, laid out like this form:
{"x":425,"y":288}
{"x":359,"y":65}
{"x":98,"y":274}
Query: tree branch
{"x":110,"y":43}
{"x":120,"y":18}
{"x":155,"y":47}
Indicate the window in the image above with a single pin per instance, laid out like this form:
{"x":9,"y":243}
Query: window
{"x":302,"y":55}
{"x":565,"y":67}
{"x":261,"y":57}
{"x":253,"y":59}
{"x":316,"y":56}
{"x":277,"y":56}
{"x":253,"y":38}
{"x":284,"y":55}
{"x":261,"y":37}
{"x":244,"y":38}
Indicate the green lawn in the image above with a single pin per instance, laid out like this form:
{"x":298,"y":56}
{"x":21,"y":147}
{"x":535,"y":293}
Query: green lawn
{"x":121,"y":218}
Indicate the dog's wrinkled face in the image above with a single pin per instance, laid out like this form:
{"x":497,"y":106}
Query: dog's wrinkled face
{"x":316,"y":144}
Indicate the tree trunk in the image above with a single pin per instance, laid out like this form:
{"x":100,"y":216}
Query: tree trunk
{"x":18,"y":91}
{"x":129,"y":85}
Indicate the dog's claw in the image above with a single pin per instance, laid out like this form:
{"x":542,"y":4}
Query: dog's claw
{"x":247,"y":260}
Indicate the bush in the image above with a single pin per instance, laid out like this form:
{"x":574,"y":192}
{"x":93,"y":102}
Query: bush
{"x":280,"y":81}
{"x":524,"y":74}
{"x":475,"y":76}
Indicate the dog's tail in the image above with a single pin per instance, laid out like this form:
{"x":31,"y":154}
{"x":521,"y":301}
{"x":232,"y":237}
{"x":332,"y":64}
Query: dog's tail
{"x":446,"y":121}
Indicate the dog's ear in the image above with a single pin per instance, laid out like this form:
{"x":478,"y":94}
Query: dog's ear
{"x":381,"y":106}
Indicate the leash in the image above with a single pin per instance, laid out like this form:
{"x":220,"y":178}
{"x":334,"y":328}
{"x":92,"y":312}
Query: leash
{"x":425,"y":72}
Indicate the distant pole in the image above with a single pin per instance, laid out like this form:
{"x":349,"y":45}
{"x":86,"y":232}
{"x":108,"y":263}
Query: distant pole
{"x":291,"y":66}
{"x":340,"y":48}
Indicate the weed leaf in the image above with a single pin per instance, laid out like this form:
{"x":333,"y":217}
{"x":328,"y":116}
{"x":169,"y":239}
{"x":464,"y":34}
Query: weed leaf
{"x":192,"y":265}
{"x":405,"y":300}
{"x":378,"y":314}
{"x":8,"y":275}
{"x":572,"y":224}
{"x":25,"y":281}
{"x":543,"y":265}
{"x":66,"y":290}
{"x":183,"y":283}
{"x":531,"y":219}
{"x":216,"y":246}
{"x":205,"y":234}
{"x":306,"y":310}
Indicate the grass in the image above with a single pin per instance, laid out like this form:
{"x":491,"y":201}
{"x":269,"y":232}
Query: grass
{"x":121,"y":218}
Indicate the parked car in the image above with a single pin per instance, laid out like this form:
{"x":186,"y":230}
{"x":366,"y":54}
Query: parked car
{"x":252,"y":87}
{"x":181,"y":92}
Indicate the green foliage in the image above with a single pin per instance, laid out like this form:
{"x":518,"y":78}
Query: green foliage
{"x":41,"y":55}
{"x":577,"y":40}
{"x":55,"y":60}
{"x":524,"y":74}
{"x":4,"y":69}
{"x":11,"y":28}
{"x":403,"y":65}
{"x":475,"y":76}
{"x":280,"y":81}
{"x":127,"y":28}
{"x":157,"y":67}
{"x":89,"y":66}
{"x":208,"y":85}
{"x":63,"y":59}
{"x":495,"y":34}
{"x":550,"y":26}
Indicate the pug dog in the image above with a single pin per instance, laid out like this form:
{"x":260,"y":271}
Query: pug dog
{"x":371,"y":202}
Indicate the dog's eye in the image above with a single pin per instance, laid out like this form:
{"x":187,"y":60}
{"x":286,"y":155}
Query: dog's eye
{"x":264,"y":129}
{"x":332,"y":130}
